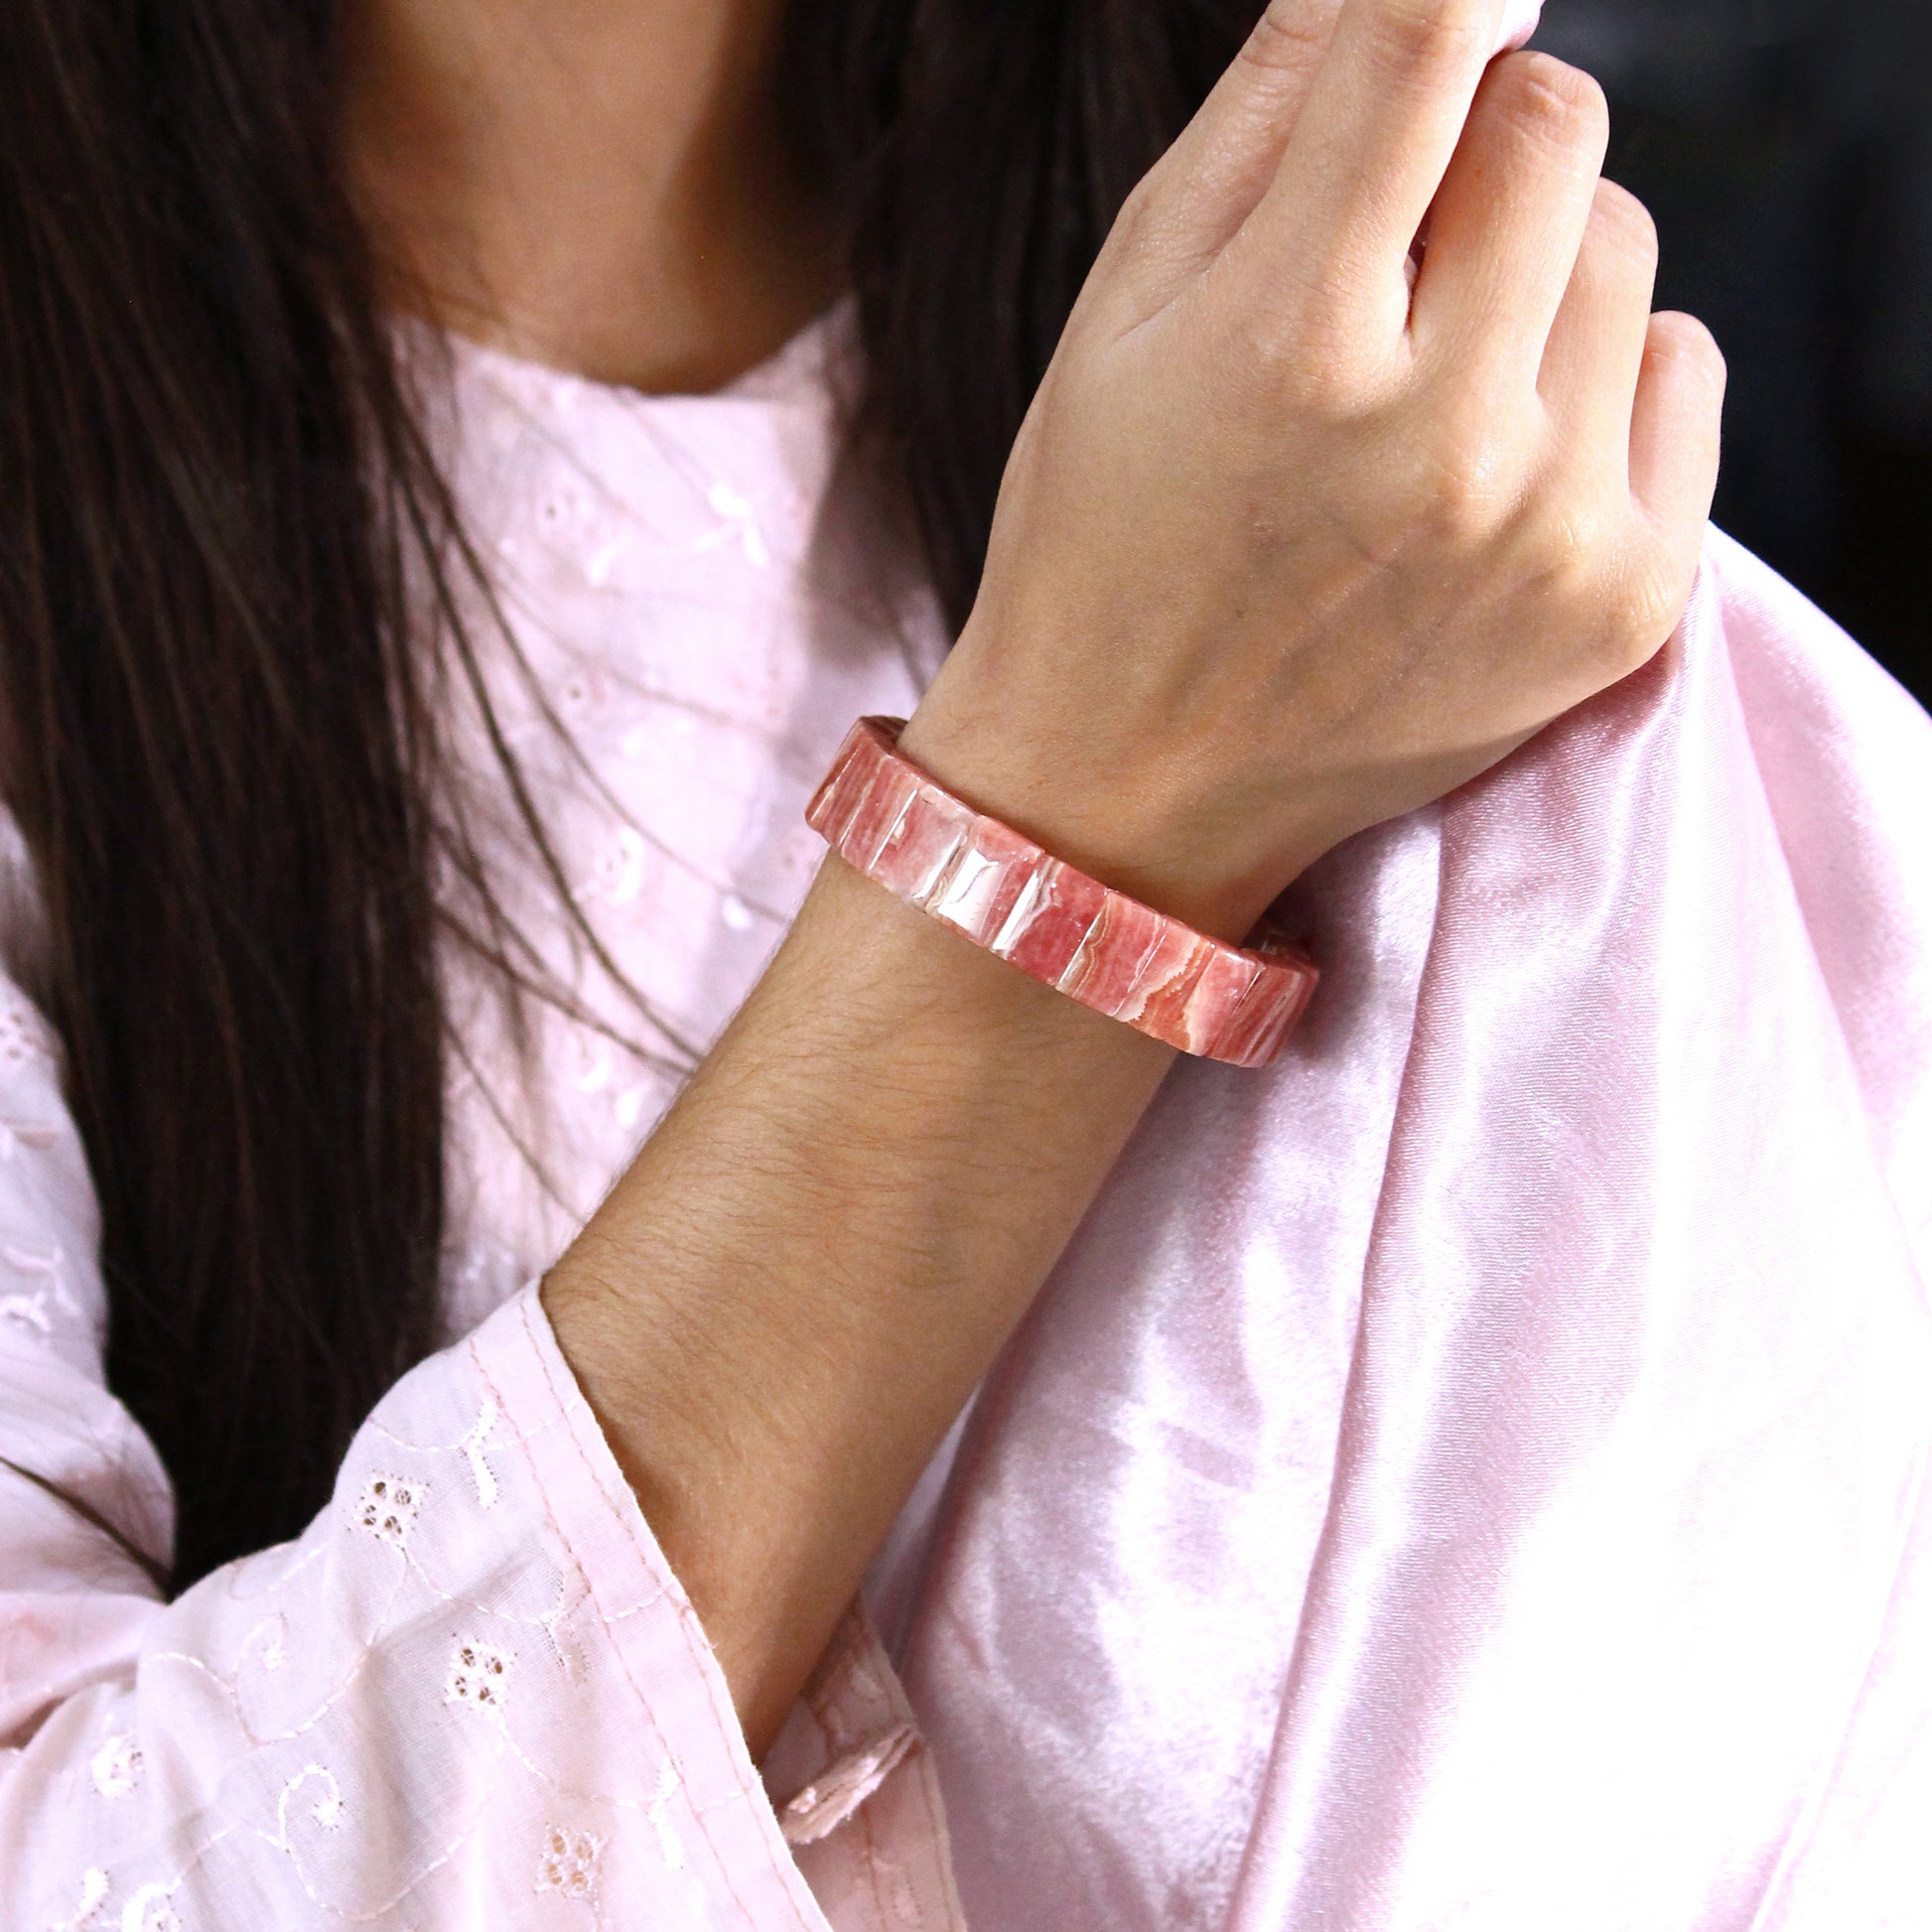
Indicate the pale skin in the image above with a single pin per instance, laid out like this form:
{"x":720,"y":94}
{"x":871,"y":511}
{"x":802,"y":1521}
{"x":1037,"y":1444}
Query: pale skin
{"x":1285,"y":550}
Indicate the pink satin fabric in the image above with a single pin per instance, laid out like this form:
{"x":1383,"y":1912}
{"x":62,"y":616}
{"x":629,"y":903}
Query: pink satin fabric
{"x":1474,"y":1474}
{"x":1467,"y":1478}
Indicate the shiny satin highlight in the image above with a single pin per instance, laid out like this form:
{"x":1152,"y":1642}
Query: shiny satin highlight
{"x":1473,"y":1475}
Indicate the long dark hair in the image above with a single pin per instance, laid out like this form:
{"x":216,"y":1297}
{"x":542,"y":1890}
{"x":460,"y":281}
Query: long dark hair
{"x":218,"y":733}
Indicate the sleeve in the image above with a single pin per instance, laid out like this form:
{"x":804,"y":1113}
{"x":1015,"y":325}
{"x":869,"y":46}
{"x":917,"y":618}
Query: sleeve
{"x":473,"y":1693}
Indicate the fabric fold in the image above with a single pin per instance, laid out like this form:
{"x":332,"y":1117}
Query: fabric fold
{"x":470,"y":1692}
{"x":1615,"y":1412}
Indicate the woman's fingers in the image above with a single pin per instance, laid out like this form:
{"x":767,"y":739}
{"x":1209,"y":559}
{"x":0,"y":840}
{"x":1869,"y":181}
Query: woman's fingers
{"x":1676,"y":425}
{"x":1509,"y":222}
{"x":1382,"y":118}
{"x":1596,"y":350}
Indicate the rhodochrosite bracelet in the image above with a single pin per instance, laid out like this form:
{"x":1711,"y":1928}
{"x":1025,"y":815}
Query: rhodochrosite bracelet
{"x":881,"y":813}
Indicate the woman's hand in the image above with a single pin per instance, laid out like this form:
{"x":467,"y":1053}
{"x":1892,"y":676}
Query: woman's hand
{"x":1286,"y":547}
{"x":1278,"y":556}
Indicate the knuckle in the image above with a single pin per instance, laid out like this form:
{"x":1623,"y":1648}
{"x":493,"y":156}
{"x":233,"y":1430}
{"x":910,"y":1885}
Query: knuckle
{"x":1307,"y":350}
{"x":1137,"y":213}
{"x":1626,"y":597}
{"x":1571,"y":546}
{"x":1654,"y":591}
{"x":1573,"y":540}
{"x":1287,"y":35}
{"x":1424,"y":38}
{"x":1305,"y":377}
{"x":1557,"y":104}
{"x":1467,"y":498}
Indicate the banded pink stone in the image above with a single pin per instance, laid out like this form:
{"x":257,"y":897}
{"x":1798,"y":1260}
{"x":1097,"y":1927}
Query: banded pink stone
{"x":1106,"y":972}
{"x":1215,"y":995}
{"x":823,"y":812}
{"x":918,"y":853}
{"x":1050,"y":920}
{"x":1167,"y":978}
{"x":985,"y":880}
{"x":885,"y":796}
{"x":1108,"y":951}
{"x":1255,"y":1033}
{"x":831,"y":812}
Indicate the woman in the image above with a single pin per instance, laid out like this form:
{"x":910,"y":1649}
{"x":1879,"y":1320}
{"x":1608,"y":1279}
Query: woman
{"x":385,"y":846}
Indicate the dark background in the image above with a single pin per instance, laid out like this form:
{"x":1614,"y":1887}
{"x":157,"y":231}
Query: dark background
{"x":1785,"y":148}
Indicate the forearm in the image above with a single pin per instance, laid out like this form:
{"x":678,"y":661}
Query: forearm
{"x":789,"y":1295}
{"x":1296,"y":537}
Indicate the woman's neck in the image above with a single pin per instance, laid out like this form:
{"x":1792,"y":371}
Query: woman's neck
{"x":599,"y":184}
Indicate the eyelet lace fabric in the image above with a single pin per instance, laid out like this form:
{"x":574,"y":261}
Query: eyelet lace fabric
{"x":1472,"y":1475}
{"x":474,"y":1693}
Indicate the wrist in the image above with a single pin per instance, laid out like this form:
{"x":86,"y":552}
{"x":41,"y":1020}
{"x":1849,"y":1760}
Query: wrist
{"x":891,"y":819}
{"x":884,"y":973}
{"x":1143,"y":830}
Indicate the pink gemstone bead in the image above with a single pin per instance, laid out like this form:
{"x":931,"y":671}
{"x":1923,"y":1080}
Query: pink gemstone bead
{"x":894,"y":823}
{"x":1051,"y":921}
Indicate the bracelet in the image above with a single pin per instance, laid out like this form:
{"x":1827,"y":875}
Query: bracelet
{"x":882,"y":814}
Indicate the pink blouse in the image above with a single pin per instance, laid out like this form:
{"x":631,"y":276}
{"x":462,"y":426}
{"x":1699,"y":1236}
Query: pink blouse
{"x":1470,"y":1475}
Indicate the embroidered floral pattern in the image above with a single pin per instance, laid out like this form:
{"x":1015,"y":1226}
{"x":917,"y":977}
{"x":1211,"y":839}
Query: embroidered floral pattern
{"x":569,"y":1863}
{"x":116,"y":1766}
{"x":33,"y":1309}
{"x":94,"y":1888}
{"x":479,"y":1675}
{"x":389,"y":1508}
{"x":151,"y":1909}
{"x":472,"y":1444}
{"x":274,"y":1741}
